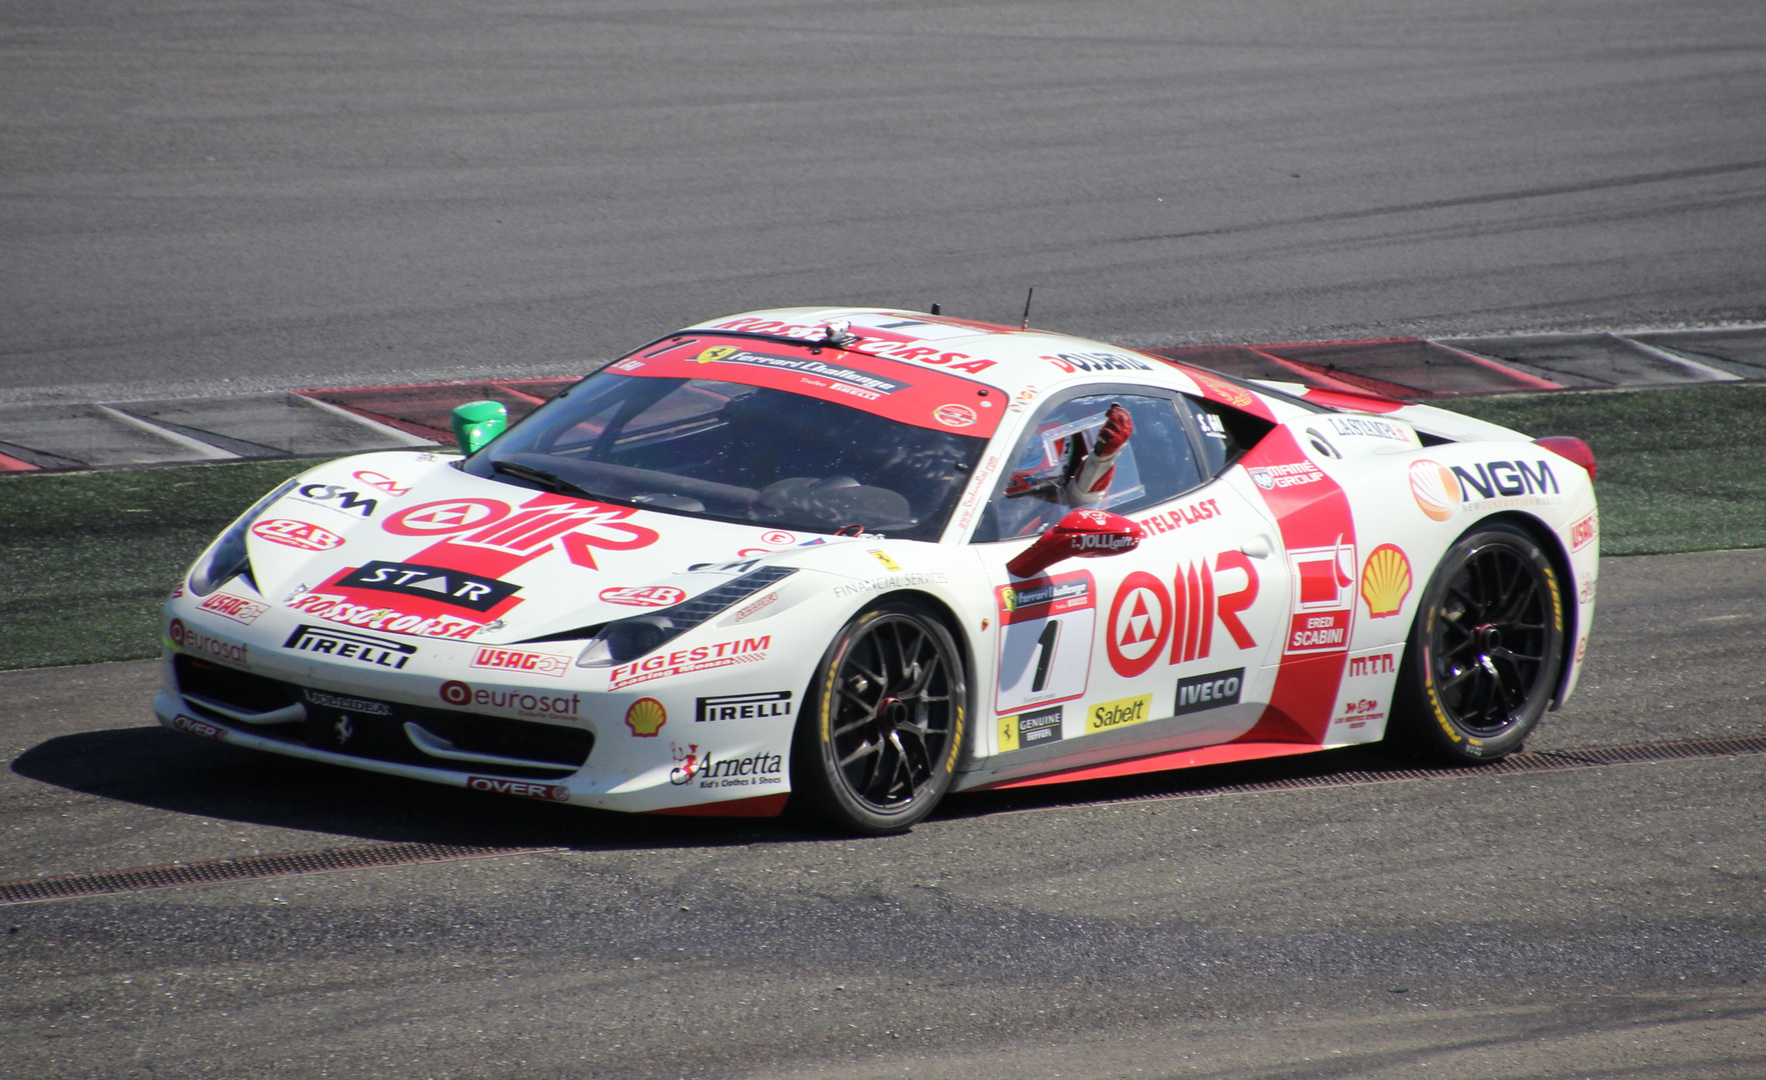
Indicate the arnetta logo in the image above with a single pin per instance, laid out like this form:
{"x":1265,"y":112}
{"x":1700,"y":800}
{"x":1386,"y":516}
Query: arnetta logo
{"x":534,"y":663}
{"x":296,"y":534}
{"x":1198,"y":693}
{"x":713,"y":772}
{"x":1119,"y":713}
{"x":454,"y":587}
{"x":347,"y":645}
{"x":527,"y":789}
{"x":744,"y":706}
{"x":336,"y":497}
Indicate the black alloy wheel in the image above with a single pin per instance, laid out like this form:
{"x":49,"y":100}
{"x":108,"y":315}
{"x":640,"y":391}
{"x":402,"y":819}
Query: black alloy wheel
{"x":1486,"y":649}
{"x":877,"y":743}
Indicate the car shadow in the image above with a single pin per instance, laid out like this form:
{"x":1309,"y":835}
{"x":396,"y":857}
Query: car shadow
{"x":152,"y":767}
{"x":164,"y":770}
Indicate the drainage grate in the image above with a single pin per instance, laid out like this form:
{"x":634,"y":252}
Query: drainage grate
{"x":254,"y":866}
{"x":378,"y":855}
{"x":1183,"y":783}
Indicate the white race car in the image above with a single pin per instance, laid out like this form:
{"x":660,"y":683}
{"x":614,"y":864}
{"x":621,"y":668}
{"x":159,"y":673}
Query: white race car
{"x":856,"y":559}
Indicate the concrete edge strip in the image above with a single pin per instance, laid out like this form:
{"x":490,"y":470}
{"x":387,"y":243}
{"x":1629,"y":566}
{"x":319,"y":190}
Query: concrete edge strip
{"x":250,"y":868}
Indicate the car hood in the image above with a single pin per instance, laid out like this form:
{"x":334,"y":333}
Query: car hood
{"x":408,"y":543}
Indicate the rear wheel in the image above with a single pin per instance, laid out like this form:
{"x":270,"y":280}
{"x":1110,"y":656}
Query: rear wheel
{"x":877,"y":742}
{"x":1485,"y":651}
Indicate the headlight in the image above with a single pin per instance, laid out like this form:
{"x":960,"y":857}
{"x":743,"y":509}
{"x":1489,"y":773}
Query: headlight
{"x":226,"y":557}
{"x":627,"y":639}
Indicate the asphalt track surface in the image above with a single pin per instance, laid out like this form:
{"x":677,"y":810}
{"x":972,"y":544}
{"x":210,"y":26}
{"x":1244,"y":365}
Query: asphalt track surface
{"x":236,"y":195}
{"x":1595,"y":922}
{"x":228,"y":196}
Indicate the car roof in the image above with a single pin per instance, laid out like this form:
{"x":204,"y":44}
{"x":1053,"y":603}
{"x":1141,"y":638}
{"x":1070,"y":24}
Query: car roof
{"x":1020,"y":362}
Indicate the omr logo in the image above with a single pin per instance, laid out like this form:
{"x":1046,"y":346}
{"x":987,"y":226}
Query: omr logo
{"x":1140,"y":619}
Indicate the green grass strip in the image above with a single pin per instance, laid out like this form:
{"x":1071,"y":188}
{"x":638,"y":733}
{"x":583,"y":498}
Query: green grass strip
{"x":1679,"y":469}
{"x":86,"y":559}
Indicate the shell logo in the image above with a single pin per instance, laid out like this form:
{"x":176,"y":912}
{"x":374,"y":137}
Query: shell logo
{"x":1435,"y":488}
{"x":1385,"y":581}
{"x":646,"y":717}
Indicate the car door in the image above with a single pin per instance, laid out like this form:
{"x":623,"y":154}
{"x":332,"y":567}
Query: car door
{"x":1159,"y":648}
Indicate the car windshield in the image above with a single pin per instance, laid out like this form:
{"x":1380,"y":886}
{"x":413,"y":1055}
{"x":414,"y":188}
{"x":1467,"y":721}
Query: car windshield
{"x":736,"y":451}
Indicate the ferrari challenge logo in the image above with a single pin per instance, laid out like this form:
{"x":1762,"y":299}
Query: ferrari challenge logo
{"x":716,"y":353}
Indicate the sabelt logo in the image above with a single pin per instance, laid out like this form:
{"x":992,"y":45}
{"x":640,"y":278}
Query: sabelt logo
{"x":237,"y":608}
{"x":535,"y":663}
{"x":522,"y":702}
{"x":527,"y":789}
{"x":644,"y":596}
{"x":195,"y":641}
{"x":1583,"y":532}
{"x":296,"y":534}
{"x":1199,"y":693}
{"x":1119,"y":713}
{"x":190,"y":725}
{"x":683,"y":661}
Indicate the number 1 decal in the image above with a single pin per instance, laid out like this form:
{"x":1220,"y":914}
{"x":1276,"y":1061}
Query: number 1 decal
{"x":1036,"y":618}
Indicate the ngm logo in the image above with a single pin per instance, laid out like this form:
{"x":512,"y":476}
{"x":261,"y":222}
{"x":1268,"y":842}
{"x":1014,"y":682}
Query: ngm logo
{"x":1440,"y":491}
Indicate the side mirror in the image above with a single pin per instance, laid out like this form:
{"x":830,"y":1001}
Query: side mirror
{"x":1084,"y":534}
{"x":478,"y":422}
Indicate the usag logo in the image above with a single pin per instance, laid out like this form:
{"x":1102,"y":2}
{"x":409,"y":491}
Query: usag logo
{"x":744,"y":706}
{"x":453,"y":587}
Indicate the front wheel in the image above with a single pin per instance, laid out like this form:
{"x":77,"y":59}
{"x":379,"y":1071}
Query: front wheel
{"x":1485,"y":651}
{"x":877,"y":742}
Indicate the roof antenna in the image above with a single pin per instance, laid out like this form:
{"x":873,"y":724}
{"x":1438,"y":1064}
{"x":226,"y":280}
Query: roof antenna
{"x":1025,"y":325}
{"x":934,"y":309}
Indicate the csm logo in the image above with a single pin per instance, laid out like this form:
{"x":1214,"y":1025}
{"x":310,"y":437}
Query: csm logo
{"x":337,"y":498}
{"x":1377,"y":664}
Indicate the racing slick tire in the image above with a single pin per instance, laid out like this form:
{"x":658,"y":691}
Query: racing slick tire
{"x":878,"y":737}
{"x":1485,"y":651}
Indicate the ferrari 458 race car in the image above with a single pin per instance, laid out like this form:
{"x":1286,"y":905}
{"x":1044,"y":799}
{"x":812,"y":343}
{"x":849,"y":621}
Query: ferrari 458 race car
{"x":856,"y":559}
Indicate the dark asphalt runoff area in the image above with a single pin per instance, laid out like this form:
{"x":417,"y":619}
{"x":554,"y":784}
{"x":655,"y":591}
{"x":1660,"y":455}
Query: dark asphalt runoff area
{"x":236,"y":195}
{"x":1593,"y":922}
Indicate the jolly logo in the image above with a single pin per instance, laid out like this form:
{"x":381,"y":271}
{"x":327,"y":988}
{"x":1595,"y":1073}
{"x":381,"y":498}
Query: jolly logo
{"x":1145,"y":614}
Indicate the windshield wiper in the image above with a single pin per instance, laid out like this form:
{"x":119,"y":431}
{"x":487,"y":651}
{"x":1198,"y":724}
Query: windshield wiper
{"x":550,"y":481}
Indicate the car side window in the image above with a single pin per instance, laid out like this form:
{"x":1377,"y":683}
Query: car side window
{"x":1226,"y":433}
{"x":1158,"y":462}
